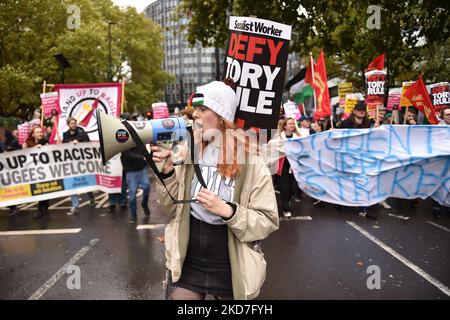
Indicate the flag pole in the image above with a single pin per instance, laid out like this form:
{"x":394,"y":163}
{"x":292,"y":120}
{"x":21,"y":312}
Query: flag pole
{"x":312,"y":79}
{"x":404,"y":118}
{"x":122,"y":96}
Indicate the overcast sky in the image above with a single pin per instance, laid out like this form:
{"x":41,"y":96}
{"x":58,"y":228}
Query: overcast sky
{"x":138,"y":4}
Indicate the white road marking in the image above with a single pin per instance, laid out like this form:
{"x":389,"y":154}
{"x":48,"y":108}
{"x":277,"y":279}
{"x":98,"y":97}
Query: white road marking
{"x":398,"y":216}
{"x":301,"y":218}
{"x":37,"y":232}
{"x":55,"y":206}
{"x":29,"y":206}
{"x":62,"y":271}
{"x":402,"y":259}
{"x":438,"y":226}
{"x":150,"y":226}
{"x":102,"y":201}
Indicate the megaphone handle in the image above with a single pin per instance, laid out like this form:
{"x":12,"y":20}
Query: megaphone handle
{"x":166,"y":146}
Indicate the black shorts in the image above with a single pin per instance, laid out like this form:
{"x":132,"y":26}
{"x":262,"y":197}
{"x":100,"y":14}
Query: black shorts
{"x":207,"y":268}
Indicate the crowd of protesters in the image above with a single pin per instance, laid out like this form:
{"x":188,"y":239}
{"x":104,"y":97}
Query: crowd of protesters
{"x":135,"y":168}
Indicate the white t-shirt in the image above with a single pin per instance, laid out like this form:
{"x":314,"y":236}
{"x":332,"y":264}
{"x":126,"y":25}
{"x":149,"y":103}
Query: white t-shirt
{"x":223,"y":187}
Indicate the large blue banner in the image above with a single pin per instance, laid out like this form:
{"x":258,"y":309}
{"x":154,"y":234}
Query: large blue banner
{"x":361,"y":167}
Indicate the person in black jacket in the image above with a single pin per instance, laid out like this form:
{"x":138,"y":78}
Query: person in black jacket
{"x":10,"y":144}
{"x":135,"y":168}
{"x":359,"y":119}
{"x":76,"y":134}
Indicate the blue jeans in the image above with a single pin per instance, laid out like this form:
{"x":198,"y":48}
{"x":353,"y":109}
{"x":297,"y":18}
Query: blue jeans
{"x":137,"y":179}
{"x":119,"y":198}
{"x":76,"y":201}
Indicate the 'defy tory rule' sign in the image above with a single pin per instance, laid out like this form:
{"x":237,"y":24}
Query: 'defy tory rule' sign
{"x":256,"y":59}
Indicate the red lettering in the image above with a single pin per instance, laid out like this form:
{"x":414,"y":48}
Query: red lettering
{"x":233,"y":42}
{"x":274,"y":50}
{"x":240,"y":50}
{"x":252,"y":48}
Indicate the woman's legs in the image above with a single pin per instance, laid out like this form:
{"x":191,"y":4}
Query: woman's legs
{"x":178,"y":293}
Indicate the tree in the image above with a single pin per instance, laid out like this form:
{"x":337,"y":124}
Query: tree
{"x":32,"y":32}
{"x":407,"y":30}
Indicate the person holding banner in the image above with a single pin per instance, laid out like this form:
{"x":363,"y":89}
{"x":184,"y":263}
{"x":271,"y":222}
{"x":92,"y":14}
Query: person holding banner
{"x":288,"y":184}
{"x":359,"y":119}
{"x":76,"y":134}
{"x":36,"y":140}
{"x":445,"y":116}
{"x":213,"y":241}
{"x":11,"y":144}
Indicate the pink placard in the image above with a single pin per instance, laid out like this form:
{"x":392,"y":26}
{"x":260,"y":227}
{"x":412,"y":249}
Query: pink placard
{"x":23,"y":131}
{"x":160,"y":110}
{"x":49,"y":102}
{"x":393,"y":99}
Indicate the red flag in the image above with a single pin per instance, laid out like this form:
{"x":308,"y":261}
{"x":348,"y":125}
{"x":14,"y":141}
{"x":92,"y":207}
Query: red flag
{"x":418,"y":95}
{"x":319,"y":83}
{"x":377,"y":63}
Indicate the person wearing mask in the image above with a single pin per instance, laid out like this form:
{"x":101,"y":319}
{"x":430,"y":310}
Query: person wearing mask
{"x":359,"y":119}
{"x":288,"y":184}
{"x":213,"y":243}
{"x":36,"y":140}
{"x":76,"y":134}
{"x":136,"y":173}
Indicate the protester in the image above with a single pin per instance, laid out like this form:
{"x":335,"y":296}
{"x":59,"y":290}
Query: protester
{"x":48,"y":132}
{"x":76,"y":134}
{"x":11,"y":144}
{"x":288,"y":184}
{"x":410,"y":117}
{"x":208,"y":242}
{"x":136,"y":173}
{"x":36,"y":140}
{"x":381,"y":119}
{"x":438,"y":210}
{"x":445,"y":116}
{"x":305,"y":126}
{"x":359,"y":119}
{"x":118,"y":198}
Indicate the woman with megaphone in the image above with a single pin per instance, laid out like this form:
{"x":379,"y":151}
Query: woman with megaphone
{"x":213,"y":243}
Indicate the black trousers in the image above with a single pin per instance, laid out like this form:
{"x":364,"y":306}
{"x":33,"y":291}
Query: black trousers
{"x":288,"y":188}
{"x":43,"y":207}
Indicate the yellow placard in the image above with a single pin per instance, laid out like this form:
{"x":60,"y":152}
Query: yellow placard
{"x":404,"y":101}
{"x":15,"y":192}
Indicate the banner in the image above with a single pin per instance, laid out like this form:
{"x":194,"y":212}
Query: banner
{"x":375,"y":81}
{"x":256,"y":57}
{"x":440,"y":96}
{"x":49,"y":103}
{"x":404,"y":101}
{"x":54,"y":171}
{"x":365,"y":166}
{"x":160,"y":110}
{"x":81,"y":100}
{"x":344,"y":88}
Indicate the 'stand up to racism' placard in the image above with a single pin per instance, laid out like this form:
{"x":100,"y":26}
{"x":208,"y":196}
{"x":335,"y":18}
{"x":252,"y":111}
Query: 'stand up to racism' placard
{"x":256,"y":59}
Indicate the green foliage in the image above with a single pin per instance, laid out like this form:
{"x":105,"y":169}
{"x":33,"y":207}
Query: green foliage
{"x":340,"y":27}
{"x":31,"y":32}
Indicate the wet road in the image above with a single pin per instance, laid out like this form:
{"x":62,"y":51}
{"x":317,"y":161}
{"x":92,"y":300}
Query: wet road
{"x":323,"y":258}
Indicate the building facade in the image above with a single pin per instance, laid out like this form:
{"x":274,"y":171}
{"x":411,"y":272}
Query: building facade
{"x":191,"y":66}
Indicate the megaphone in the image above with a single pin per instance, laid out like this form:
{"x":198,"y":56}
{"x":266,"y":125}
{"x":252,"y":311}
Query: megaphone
{"x":115,"y":138}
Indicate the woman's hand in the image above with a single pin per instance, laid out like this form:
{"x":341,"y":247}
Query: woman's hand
{"x":74,"y":141}
{"x":159,"y":155}
{"x":214,"y":204}
{"x":38,"y":145}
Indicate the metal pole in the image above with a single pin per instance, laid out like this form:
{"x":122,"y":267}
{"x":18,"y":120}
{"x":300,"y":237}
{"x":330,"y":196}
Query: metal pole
{"x":110,"y":52}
